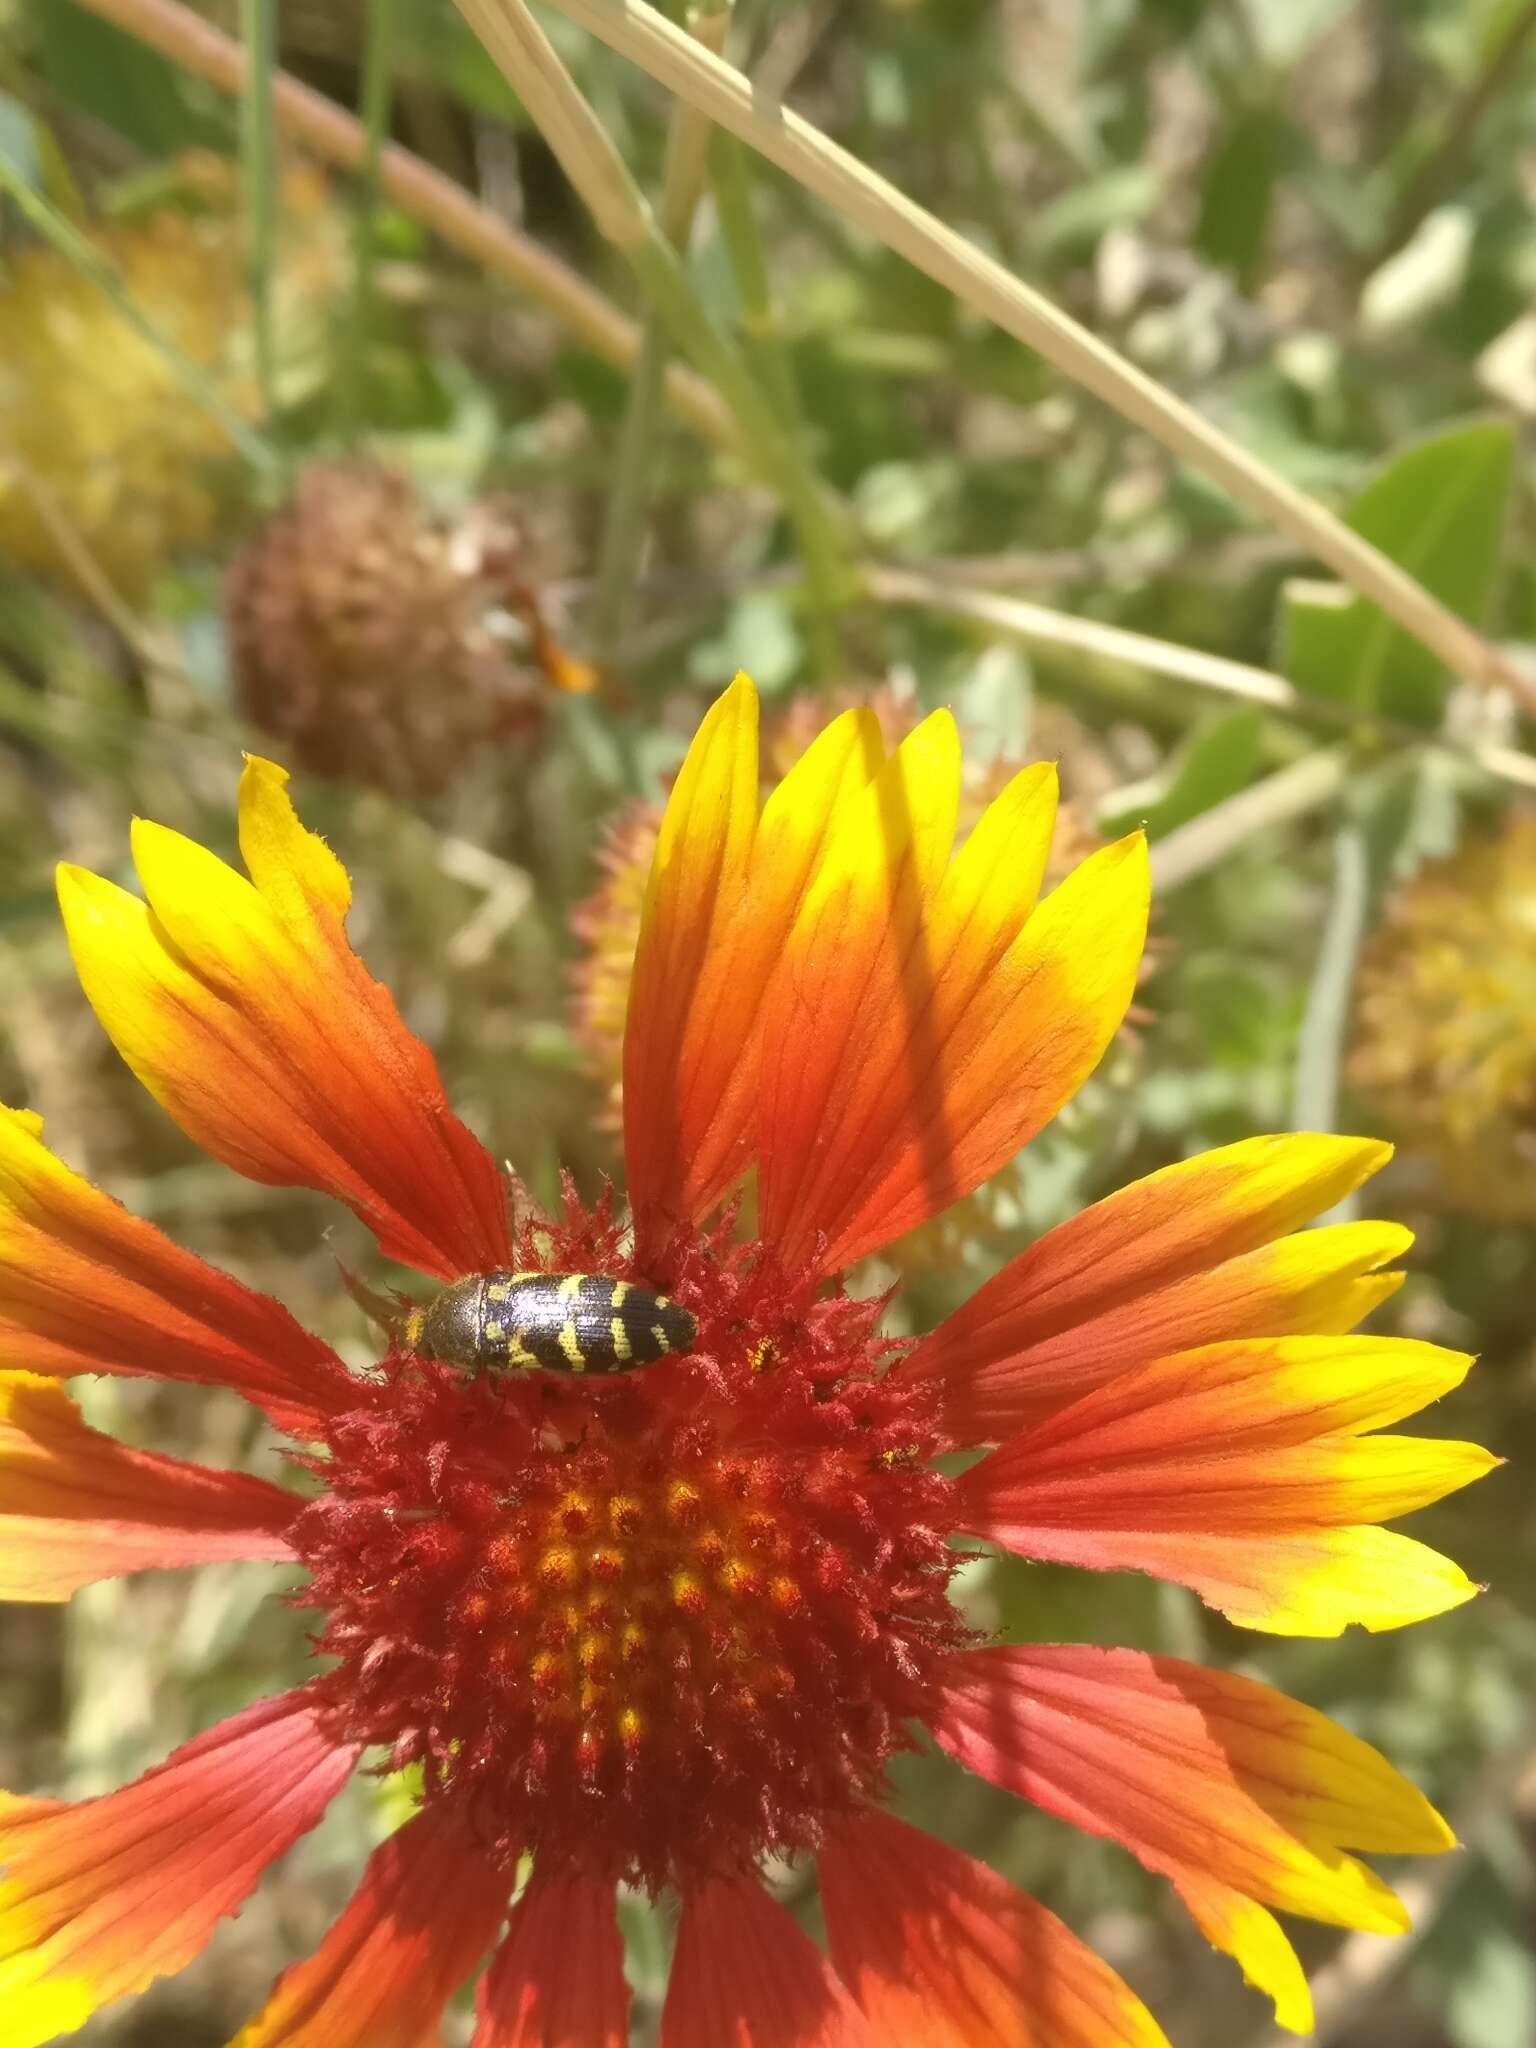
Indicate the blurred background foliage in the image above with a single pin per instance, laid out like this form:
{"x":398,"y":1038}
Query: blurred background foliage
{"x":280,"y":467}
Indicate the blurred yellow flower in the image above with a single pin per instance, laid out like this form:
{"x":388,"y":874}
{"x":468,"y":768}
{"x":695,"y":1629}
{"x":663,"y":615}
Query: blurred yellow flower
{"x":1444,"y":1048}
{"x":95,"y":420}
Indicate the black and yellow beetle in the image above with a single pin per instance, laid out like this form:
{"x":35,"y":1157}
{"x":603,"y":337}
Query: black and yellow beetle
{"x":565,"y":1322}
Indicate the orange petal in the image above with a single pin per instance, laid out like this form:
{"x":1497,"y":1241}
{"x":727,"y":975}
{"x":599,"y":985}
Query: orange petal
{"x":924,"y":1024}
{"x":839,"y":986}
{"x":1240,"y":1795}
{"x":720,"y":1064}
{"x":86,"y":1287}
{"x":242,"y":1008}
{"x":427,"y":1909}
{"x":1320,"y":1282}
{"x":696,"y":888}
{"x":80,"y":1506}
{"x":101,"y":1897}
{"x":558,"y":1978}
{"x":942,"y":1952}
{"x":744,"y":1976}
{"x":1233,"y":1469}
{"x":1181,"y":1258}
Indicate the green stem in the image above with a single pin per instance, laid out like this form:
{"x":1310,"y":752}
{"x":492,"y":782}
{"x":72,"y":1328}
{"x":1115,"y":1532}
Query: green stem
{"x":818,"y":531}
{"x":827,"y":577}
{"x":91,"y":262}
{"x":630,"y":497}
{"x":258,"y":178}
{"x":373,"y":112}
{"x":761,"y":328}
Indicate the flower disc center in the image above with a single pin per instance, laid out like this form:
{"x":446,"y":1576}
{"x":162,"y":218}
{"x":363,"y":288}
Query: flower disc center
{"x":658,"y":1627}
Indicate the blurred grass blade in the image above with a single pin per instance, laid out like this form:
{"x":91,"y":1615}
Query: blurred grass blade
{"x":1325,"y":1022}
{"x":624,"y":522}
{"x":373,"y":111}
{"x":99,"y":268}
{"x":762,"y":334}
{"x":258,"y":184}
{"x":1439,"y":509}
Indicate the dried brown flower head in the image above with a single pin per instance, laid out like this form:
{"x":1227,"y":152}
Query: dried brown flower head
{"x":383,"y":641}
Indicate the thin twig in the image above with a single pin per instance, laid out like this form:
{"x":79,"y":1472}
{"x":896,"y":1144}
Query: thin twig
{"x":1037,"y":625}
{"x":424,"y":193}
{"x":1206,"y":841}
{"x":867,"y":201}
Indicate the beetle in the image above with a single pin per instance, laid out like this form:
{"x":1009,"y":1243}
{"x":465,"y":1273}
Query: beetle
{"x":564,"y":1322}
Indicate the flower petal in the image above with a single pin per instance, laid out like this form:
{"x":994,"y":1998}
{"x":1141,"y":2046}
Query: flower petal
{"x":1320,"y":1282}
{"x":79,"y":1506}
{"x":86,"y":1287}
{"x":1257,"y":1943}
{"x":103,"y":1896}
{"x":696,"y":888}
{"x":1170,"y":1262}
{"x":242,"y":1008}
{"x":558,"y":1978}
{"x":1240,"y":1795}
{"x":744,"y":1976}
{"x":427,"y":1909}
{"x":1233,"y":1469}
{"x":720,"y":1061}
{"x":893,"y":1080}
{"x":942,"y":1952}
{"x":841,"y":986}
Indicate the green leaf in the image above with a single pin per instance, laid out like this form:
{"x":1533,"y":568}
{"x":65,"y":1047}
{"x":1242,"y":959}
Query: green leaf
{"x":1220,"y":757}
{"x":1439,"y":510}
